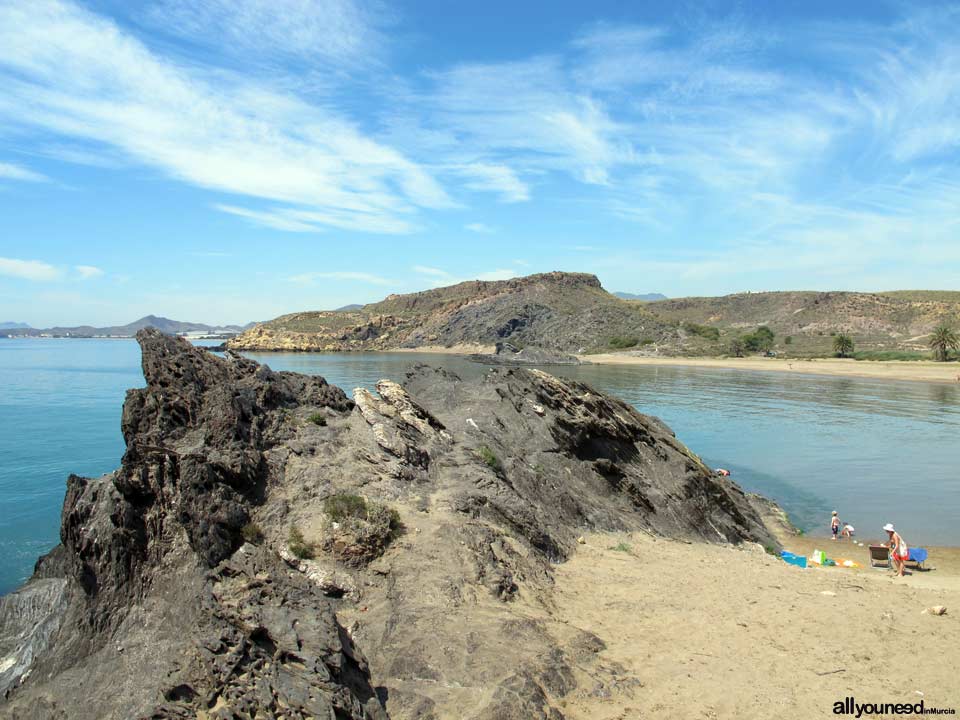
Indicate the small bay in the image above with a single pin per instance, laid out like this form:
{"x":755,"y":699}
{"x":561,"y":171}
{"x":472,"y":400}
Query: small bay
{"x":876,"y":451}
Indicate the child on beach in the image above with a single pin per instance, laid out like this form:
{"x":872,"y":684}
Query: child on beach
{"x":834,"y":525}
{"x":847,"y":530}
{"x":898,"y":549}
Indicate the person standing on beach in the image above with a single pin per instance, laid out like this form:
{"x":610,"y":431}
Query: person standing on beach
{"x":834,"y":525}
{"x":898,"y":549}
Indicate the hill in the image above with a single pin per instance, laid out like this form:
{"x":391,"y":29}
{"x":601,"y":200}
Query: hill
{"x":164,"y":325}
{"x":11,"y":325}
{"x":876,"y":321}
{"x":571,"y":312}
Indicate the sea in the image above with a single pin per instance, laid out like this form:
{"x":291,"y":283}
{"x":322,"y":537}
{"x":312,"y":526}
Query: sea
{"x":874,"y":450}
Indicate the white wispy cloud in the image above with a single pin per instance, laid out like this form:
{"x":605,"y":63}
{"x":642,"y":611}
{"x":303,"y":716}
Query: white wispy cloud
{"x":424,"y":270}
{"x":87,"y":272}
{"x":29,"y":269}
{"x":342,"y":32}
{"x":68,"y":71}
{"x":499,"y":179}
{"x":479,"y":227}
{"x":9,"y":171}
{"x":310,"y":277}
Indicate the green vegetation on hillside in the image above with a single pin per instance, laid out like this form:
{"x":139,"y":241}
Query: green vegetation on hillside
{"x":942,"y":340}
{"x":843,"y":345}
{"x":571,"y":312}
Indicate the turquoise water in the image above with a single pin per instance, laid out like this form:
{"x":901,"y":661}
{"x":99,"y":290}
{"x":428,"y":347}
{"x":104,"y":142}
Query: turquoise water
{"x":875,"y":451}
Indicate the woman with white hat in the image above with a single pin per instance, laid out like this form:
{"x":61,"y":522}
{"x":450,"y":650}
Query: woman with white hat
{"x":898,"y":549}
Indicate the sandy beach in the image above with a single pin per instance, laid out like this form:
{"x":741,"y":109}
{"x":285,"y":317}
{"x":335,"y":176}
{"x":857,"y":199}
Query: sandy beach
{"x":921,"y":371}
{"x":721,"y":632}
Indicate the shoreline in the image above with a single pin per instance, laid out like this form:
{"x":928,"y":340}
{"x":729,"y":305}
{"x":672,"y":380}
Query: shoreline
{"x":926,"y":371}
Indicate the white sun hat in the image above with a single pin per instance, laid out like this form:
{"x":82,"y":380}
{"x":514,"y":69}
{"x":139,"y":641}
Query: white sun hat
{"x":889,"y":527}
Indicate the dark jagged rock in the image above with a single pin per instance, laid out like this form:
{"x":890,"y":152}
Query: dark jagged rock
{"x":195,"y":468}
{"x":154,"y":606}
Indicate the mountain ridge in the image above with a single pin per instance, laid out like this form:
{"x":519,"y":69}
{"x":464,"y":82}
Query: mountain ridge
{"x":573,"y":313}
{"x":163,"y":324}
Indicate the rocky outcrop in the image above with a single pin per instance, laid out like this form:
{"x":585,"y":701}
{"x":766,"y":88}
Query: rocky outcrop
{"x":218,"y":572}
{"x":507,"y":354}
{"x":557,"y":311}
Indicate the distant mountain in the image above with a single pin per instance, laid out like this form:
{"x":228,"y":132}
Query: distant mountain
{"x":164,"y":325}
{"x":11,"y":325}
{"x":349,"y":308}
{"x":648,"y":297}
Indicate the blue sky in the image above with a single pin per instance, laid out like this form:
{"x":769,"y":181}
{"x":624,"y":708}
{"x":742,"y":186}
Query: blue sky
{"x":231,"y":160}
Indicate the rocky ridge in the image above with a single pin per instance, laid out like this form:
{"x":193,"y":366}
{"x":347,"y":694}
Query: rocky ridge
{"x":572,"y":313}
{"x":567,"y":312}
{"x":176,"y":591}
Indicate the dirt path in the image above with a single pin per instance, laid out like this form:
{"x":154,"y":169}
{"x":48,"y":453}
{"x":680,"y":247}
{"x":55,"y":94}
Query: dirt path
{"x":717,"y":632}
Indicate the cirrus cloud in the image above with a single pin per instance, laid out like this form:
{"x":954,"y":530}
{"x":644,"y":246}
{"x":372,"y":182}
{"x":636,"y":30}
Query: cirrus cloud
{"x":35,"y":270}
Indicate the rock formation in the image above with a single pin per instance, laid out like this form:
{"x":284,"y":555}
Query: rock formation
{"x":568,"y":312}
{"x":269,"y":548}
{"x":507,"y":354}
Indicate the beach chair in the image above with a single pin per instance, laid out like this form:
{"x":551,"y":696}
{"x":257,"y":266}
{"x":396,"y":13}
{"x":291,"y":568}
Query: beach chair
{"x":918,"y":556}
{"x":879,"y":556}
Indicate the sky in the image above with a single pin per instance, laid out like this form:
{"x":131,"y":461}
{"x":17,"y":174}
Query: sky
{"x":224,"y":161}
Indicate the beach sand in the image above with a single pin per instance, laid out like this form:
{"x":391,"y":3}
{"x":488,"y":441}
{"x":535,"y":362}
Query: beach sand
{"x":923,"y":371}
{"x":723,"y":632}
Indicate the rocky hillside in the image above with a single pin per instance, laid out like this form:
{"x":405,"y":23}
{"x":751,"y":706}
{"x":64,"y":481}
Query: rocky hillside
{"x":270,"y":548}
{"x":571,"y":312}
{"x":896,"y":320}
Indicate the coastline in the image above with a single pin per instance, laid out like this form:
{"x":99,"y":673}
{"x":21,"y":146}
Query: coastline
{"x":913,"y":370}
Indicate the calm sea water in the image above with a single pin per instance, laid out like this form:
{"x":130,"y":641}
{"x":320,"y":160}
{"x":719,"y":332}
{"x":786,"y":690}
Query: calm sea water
{"x":875,"y":451}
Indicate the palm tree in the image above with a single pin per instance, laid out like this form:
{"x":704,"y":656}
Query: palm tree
{"x":942,"y":340}
{"x":843,"y":345}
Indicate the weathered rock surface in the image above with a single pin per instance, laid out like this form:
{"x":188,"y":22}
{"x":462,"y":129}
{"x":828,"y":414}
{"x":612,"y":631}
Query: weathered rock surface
{"x":153,"y":606}
{"x":507,"y":354}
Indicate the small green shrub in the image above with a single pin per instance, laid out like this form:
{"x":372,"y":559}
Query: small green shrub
{"x":488,"y":456}
{"x":760,"y":340}
{"x":298,"y":544}
{"x":622,"y":342}
{"x":788,"y":340}
{"x":704,"y":331}
{"x":621,"y":547}
{"x":343,"y":506}
{"x":380,"y":514}
{"x":317,"y":419}
{"x":252,"y":533}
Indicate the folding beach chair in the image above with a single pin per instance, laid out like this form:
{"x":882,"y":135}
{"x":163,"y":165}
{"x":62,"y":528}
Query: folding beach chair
{"x":879,"y":556}
{"x":918,"y":556}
